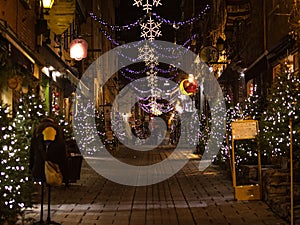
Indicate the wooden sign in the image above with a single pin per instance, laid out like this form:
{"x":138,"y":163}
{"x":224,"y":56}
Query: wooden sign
{"x":244,"y":129}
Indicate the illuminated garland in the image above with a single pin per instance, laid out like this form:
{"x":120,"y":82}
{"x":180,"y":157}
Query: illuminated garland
{"x":146,"y":104}
{"x":149,"y":90}
{"x":109,"y":37}
{"x":122,"y":72}
{"x":163,"y":71}
{"x":177,"y":25}
{"x":116,"y":43}
{"x":116,"y":27}
{"x":174,"y":24}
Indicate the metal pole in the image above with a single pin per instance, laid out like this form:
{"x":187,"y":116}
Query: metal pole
{"x":50,"y":93}
{"x":49,"y":199}
{"x":42,"y":202}
{"x":233,"y":165}
{"x":259,"y":169}
{"x":291,"y":171}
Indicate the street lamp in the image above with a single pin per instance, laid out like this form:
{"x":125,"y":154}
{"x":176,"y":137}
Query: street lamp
{"x":78,"y":49}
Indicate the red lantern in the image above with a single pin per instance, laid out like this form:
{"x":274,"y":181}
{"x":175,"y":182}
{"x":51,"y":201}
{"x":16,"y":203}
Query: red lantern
{"x":78,"y":49}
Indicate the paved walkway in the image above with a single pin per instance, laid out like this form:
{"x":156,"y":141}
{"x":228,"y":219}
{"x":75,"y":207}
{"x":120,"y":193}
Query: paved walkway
{"x":188,"y":198}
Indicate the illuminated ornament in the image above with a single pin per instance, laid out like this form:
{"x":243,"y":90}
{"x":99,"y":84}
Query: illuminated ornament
{"x":188,"y":87}
{"x":78,"y":49}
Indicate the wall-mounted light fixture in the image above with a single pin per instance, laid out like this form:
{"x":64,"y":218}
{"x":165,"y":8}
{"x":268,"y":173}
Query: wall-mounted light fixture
{"x":47,"y":4}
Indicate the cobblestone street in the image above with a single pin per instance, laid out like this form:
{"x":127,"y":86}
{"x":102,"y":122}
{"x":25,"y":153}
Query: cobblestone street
{"x":188,"y":198}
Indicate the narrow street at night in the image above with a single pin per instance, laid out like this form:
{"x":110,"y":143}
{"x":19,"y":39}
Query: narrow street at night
{"x":150,"y":112}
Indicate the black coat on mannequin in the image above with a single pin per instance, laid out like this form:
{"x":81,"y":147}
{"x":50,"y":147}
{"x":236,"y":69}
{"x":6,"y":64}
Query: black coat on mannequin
{"x":56,"y":151}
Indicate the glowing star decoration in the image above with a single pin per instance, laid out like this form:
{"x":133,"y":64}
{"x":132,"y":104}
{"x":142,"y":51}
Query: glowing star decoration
{"x":147,"y":6}
{"x":151,"y":29}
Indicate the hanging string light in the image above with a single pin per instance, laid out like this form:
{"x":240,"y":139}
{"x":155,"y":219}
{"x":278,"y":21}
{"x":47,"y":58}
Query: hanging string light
{"x":116,"y":43}
{"x":109,"y":37}
{"x":116,"y":27}
{"x":157,"y":108}
{"x":174,"y":24}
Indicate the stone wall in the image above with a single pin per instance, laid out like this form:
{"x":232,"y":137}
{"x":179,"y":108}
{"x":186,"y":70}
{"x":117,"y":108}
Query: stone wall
{"x":276,"y":188}
{"x":276,"y":193}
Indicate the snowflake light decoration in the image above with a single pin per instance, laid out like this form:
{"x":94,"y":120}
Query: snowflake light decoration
{"x":147,"y":6}
{"x":155,"y":107}
{"x":151,"y":29}
{"x":152,"y":79}
{"x":146,"y":53}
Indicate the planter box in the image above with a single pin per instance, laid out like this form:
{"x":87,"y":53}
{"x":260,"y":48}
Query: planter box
{"x":74,"y":166}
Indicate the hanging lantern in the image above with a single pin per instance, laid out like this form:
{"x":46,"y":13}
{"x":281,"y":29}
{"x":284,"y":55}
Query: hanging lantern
{"x":47,"y":4}
{"x":188,"y":86}
{"x":78,"y":49}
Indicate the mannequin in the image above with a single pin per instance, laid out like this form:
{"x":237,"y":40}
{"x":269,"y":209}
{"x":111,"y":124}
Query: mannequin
{"x":47,"y":143}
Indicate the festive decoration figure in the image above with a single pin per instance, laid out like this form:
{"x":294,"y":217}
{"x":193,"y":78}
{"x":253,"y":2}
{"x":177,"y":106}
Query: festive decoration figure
{"x":188,"y":86}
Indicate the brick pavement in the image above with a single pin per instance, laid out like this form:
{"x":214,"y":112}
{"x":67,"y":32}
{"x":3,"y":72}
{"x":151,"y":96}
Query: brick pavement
{"x":190,"y":197}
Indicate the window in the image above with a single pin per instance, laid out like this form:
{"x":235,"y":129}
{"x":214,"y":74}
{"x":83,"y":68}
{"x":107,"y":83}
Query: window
{"x":291,"y":61}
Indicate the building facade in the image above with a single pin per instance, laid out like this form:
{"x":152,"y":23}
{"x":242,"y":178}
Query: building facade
{"x":35,"y":51}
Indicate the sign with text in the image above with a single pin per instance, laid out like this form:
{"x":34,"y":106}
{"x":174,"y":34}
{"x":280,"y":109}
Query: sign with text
{"x":244,"y":129}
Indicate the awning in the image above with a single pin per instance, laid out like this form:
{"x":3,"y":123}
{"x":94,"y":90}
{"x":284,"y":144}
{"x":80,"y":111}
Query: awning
{"x":77,"y":83}
{"x":257,"y":67}
{"x":69,"y":73}
{"x":278,"y":51}
{"x":228,"y":75}
{"x":286,"y":44}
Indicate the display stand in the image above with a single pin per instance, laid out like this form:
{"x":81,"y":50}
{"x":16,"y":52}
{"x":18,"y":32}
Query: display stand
{"x":49,"y":134}
{"x":242,"y":130}
{"x":48,"y":221}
